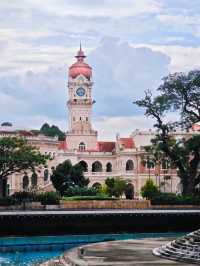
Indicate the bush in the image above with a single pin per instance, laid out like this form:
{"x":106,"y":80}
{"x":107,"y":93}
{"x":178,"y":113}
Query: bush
{"x":97,"y":197}
{"x":49,"y":198}
{"x":7,"y":201}
{"x":22,"y":196}
{"x":149,"y":190}
{"x":81,"y":191}
{"x":173,"y":199}
{"x":115,"y":186}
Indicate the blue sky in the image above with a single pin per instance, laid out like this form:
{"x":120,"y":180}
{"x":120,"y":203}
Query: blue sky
{"x":130,"y":44}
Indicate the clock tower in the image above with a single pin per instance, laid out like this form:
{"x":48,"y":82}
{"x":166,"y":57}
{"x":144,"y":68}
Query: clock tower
{"x":80,"y":136}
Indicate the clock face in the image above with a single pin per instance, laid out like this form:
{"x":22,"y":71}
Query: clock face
{"x":80,"y":91}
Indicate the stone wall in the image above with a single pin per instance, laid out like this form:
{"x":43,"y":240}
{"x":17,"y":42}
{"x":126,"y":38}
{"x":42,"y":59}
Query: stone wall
{"x":105,"y":204}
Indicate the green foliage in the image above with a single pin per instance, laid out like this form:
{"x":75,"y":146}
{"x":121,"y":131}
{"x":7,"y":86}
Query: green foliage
{"x":149,"y":190}
{"x":115,"y":186}
{"x":81,"y":191}
{"x":19,"y":197}
{"x":49,"y":198}
{"x":17,"y":156}
{"x":173,"y":199}
{"x":181,"y":93}
{"x":97,"y":197}
{"x":65,"y":176}
{"x":129,"y":191}
{"x":7,"y":201}
{"x":52,"y":131}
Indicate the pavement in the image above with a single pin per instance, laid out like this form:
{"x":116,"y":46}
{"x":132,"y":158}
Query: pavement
{"x":98,"y":212}
{"x":118,"y":253}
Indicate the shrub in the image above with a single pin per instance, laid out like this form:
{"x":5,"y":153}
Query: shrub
{"x":149,"y":190}
{"x":80,"y":191}
{"x":173,"y":199}
{"x":97,"y":197}
{"x":49,"y":198}
{"x":115,"y":186}
{"x":22,"y":196}
{"x":7,"y":201}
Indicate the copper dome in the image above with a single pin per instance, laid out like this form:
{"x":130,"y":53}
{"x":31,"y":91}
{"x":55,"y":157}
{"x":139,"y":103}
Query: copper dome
{"x":80,"y":67}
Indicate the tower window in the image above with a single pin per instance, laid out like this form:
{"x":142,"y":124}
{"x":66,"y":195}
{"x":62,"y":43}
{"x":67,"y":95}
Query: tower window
{"x":86,"y":118}
{"x":82,"y":146}
{"x":74,"y":119}
{"x":80,"y":117}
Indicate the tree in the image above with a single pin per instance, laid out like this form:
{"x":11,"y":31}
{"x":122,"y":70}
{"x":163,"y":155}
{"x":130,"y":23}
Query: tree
{"x":180,"y":93}
{"x":115,"y":186}
{"x":66,"y":175}
{"x":52,"y":131}
{"x":149,"y":190}
{"x":17,"y":156}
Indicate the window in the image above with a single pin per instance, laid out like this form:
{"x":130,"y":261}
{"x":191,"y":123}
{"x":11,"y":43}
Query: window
{"x":46,"y":174}
{"x":87,"y":119}
{"x":108,"y":167}
{"x":165,"y":164}
{"x":82,"y":146}
{"x":25,"y":182}
{"x":97,"y":167}
{"x":129,"y":165}
{"x":149,"y":164}
{"x":74,"y":119}
{"x":84,"y":166}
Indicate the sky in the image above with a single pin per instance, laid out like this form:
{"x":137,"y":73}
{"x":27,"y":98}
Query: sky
{"x":130,"y":44}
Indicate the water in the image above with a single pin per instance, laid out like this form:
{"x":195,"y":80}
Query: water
{"x":28,"y":251}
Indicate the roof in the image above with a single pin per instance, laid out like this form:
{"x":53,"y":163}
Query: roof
{"x":196,"y":127}
{"x":62,"y":145}
{"x":106,"y":146}
{"x":127,"y":143}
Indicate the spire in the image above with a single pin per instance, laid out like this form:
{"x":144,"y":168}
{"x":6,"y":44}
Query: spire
{"x":80,"y":55}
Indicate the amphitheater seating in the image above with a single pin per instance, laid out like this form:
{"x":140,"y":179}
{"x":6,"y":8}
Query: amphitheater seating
{"x":185,"y":249}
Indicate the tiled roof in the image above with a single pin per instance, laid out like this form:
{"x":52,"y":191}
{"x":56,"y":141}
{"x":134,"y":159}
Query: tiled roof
{"x":196,"y":127}
{"x":62,"y":145}
{"x":127,"y":143}
{"x":106,"y":146}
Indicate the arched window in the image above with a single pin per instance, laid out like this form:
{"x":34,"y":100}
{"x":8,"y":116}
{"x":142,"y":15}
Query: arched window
{"x":109,"y":167}
{"x":84,"y":165}
{"x":25,"y":182}
{"x":129,"y":165}
{"x":82,"y":146}
{"x":34,"y":180}
{"x":165,"y":164}
{"x":149,"y":164}
{"x":97,"y":167}
{"x":46,"y":174}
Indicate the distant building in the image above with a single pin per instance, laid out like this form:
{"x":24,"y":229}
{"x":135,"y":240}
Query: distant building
{"x":123,"y":157}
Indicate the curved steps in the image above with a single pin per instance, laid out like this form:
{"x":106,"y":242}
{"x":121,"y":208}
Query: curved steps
{"x":185,"y":249}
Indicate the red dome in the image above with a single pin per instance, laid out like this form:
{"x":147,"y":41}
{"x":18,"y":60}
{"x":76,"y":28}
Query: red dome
{"x":80,"y":67}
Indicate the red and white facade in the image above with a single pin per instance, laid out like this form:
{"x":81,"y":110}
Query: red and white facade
{"x":101,"y":159}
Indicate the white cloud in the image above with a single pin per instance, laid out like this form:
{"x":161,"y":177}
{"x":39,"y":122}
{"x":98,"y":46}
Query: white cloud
{"x":108,"y":127}
{"x":182,"y":58}
{"x":103,"y":8}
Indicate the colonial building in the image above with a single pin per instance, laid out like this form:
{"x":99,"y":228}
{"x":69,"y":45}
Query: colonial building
{"x":123,"y":157}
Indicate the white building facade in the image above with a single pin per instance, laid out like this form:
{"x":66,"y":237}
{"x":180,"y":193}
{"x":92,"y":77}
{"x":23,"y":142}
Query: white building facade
{"x":124,"y":157}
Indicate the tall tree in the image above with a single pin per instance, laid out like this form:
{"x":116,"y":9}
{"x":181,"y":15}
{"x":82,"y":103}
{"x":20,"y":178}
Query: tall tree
{"x":66,"y":175}
{"x":17,"y":156}
{"x":52,"y":131}
{"x":180,"y":93}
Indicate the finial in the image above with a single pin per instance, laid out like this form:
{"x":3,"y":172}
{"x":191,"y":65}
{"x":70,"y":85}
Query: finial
{"x":80,"y":46}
